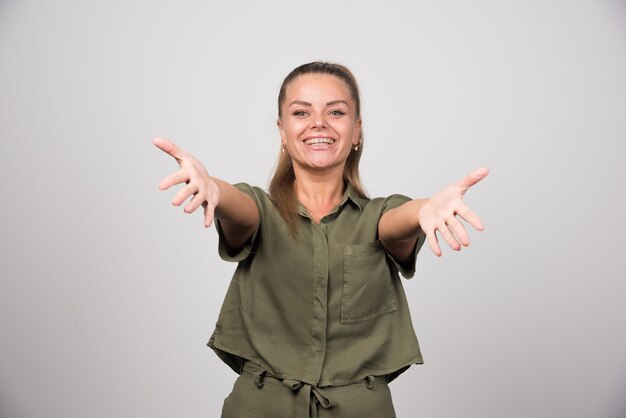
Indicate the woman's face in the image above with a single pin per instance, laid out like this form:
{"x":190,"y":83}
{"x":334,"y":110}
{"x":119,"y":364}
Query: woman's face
{"x":318,"y":126}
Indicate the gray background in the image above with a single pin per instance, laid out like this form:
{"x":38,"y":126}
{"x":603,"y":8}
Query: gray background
{"x":108,"y":294}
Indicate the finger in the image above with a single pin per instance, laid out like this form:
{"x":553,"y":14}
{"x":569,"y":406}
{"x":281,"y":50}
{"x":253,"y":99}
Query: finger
{"x":195,"y":202}
{"x":433,"y":243}
{"x":447,"y":235}
{"x":184,"y":193}
{"x":470,"y":217}
{"x":458,"y":230}
{"x":209,"y":212}
{"x":473,"y":178}
{"x":170,"y":148}
{"x":175,"y":178}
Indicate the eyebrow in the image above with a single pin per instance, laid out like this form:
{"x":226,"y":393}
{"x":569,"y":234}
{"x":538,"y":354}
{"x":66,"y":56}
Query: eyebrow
{"x":332,"y":102}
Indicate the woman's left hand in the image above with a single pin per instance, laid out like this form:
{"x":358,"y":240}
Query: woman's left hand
{"x":441,"y":212}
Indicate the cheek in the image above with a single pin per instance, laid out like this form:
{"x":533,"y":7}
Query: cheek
{"x":351,"y":131}
{"x":293,"y":130}
{"x":289,"y":134}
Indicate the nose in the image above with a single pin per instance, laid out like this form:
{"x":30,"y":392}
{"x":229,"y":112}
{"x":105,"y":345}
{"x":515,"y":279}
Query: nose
{"x":319,"y":121}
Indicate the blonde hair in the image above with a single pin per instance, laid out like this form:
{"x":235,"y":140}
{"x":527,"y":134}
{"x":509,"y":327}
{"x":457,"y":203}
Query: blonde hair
{"x":281,"y":185}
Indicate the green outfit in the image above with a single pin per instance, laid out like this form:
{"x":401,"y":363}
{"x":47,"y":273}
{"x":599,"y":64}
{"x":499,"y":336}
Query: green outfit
{"x":323,"y":308}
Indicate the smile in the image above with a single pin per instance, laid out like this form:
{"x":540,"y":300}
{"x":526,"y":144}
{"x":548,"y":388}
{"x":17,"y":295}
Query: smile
{"x":319,"y":142}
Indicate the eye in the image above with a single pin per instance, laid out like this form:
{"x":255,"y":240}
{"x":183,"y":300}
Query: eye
{"x":300,"y":113}
{"x":337,"y":113}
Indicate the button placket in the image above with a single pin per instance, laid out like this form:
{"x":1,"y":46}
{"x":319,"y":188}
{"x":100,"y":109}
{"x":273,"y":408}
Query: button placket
{"x":319,"y":304}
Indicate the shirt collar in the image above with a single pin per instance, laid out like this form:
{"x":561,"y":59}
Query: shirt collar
{"x":353,"y":196}
{"x":349,"y":195}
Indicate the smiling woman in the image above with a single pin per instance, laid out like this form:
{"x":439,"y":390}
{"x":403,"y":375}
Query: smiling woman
{"x":315,"y":321}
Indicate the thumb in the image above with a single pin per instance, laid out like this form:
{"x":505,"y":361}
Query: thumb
{"x":473,"y":178}
{"x":169,"y":147}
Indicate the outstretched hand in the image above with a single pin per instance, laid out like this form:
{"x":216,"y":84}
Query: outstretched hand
{"x":199,"y":184}
{"x":441,"y":212}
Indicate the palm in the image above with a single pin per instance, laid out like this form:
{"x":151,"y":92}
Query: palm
{"x":443,"y":210}
{"x":199,"y":185}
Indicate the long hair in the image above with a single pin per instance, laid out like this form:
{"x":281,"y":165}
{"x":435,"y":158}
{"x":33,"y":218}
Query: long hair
{"x":281,"y":185}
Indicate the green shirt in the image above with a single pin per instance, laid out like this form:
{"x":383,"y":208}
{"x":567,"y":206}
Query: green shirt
{"x":325,"y":307}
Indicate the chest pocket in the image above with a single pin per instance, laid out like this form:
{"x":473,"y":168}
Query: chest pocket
{"x":368,"y":287}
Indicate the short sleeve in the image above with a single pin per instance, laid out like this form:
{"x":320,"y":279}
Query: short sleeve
{"x":226,"y":253}
{"x":407,"y":269}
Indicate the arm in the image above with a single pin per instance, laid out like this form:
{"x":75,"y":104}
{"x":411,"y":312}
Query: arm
{"x":399,"y":228}
{"x":236,"y":211}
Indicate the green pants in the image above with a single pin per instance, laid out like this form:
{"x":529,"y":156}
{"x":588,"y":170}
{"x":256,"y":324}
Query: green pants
{"x":258,"y":395}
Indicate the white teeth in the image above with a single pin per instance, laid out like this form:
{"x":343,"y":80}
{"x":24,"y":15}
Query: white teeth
{"x":314,"y":141}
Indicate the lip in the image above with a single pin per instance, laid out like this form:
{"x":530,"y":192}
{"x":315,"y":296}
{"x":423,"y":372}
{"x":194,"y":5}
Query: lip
{"x":309,"y":138}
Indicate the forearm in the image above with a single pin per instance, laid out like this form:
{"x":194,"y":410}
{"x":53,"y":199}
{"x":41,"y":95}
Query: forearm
{"x":235,"y":207}
{"x":399,"y":229}
{"x":237,"y":214}
{"x":401,"y":223}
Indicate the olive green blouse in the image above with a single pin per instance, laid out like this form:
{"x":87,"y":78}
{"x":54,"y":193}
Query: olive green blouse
{"x":325,"y":307}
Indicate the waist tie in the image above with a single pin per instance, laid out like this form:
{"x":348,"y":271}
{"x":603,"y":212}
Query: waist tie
{"x":307,"y":396}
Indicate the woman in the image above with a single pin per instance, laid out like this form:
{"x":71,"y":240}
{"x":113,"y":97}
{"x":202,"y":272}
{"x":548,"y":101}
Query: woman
{"x":315,"y":320}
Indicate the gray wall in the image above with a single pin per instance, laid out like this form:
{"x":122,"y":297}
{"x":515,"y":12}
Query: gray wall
{"x":108,"y":294}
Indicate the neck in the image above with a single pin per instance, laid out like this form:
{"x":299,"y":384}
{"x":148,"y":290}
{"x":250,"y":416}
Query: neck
{"x":319,"y":192}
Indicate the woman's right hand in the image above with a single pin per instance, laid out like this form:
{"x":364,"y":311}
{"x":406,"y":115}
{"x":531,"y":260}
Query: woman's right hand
{"x":199,"y":184}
